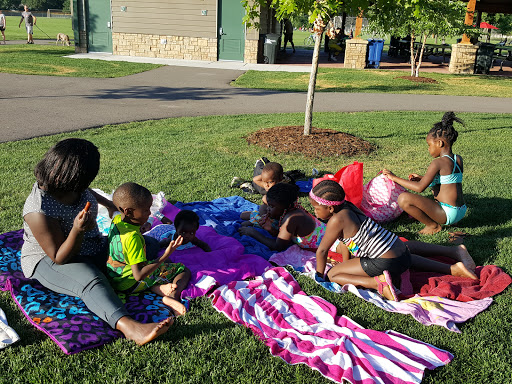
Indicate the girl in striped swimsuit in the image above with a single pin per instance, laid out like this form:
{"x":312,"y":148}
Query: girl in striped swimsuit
{"x":377,"y":256}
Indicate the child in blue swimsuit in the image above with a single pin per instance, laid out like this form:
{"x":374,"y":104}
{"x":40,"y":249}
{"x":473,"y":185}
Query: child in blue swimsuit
{"x":444,"y":176}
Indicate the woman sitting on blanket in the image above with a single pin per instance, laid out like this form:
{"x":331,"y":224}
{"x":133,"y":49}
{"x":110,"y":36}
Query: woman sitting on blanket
{"x":63,"y":248}
{"x":295,"y":224}
{"x":379,"y":256}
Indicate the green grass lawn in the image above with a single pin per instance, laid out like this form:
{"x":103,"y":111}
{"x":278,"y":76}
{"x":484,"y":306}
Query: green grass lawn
{"x":48,"y":60}
{"x":378,"y":81}
{"x":193,"y":159}
{"x":44,"y":26}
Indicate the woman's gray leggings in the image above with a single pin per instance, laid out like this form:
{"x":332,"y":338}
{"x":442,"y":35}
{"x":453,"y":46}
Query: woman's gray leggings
{"x":85,"y":281}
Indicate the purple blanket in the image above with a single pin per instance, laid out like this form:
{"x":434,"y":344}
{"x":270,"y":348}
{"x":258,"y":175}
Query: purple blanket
{"x":225,"y":263}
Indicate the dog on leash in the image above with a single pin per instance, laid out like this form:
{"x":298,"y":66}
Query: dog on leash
{"x":62,"y":37}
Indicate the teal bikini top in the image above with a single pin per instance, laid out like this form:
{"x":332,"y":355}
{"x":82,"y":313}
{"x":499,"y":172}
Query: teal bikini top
{"x":448,"y":179}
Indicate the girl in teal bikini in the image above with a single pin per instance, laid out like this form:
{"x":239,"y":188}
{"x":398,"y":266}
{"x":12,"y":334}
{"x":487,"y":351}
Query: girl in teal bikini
{"x":443,"y":176}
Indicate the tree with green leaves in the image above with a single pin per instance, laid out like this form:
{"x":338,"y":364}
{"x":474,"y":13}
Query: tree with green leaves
{"x":320,"y":13}
{"x":417,"y":19}
{"x":501,"y":21}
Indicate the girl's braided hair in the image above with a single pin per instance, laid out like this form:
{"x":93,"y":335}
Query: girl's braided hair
{"x":445,"y":128}
{"x":329,"y":190}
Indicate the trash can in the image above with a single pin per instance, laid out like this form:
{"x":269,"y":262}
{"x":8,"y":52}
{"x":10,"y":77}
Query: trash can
{"x":484,"y":55}
{"x":375,"y":48}
{"x":270,"y":47}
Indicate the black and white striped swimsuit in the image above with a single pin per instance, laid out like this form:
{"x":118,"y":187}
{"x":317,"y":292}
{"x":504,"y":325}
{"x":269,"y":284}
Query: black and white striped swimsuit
{"x":371,"y":240}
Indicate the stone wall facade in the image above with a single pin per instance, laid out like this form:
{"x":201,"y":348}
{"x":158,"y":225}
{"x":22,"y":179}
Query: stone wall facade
{"x":165,"y":47}
{"x":355,"y":53}
{"x":251,"y":52}
{"x":463,"y":58}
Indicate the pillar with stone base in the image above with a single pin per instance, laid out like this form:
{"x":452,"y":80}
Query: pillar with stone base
{"x":355,"y":53}
{"x":463,"y":58}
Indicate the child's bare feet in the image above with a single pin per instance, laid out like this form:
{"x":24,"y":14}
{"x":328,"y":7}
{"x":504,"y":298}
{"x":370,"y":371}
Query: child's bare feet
{"x":142,"y":333}
{"x":177,"y":307}
{"x":428,"y":230}
{"x":459,"y":269}
{"x":168,"y":289}
{"x":463,"y":255}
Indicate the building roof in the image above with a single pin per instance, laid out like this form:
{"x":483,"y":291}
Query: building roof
{"x":494,"y":6}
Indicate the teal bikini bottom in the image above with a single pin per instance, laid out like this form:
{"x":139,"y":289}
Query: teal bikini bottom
{"x":453,"y":214}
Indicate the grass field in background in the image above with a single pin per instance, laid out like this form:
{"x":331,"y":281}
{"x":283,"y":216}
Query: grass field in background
{"x":48,"y":60}
{"x":378,"y":81}
{"x":44,"y":26}
{"x":193,"y":159}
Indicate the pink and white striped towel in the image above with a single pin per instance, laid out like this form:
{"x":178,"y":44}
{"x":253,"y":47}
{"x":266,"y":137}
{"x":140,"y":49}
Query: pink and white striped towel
{"x":303,"y":329}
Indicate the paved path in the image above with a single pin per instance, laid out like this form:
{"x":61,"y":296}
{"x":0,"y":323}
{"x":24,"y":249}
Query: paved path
{"x":41,"y":105}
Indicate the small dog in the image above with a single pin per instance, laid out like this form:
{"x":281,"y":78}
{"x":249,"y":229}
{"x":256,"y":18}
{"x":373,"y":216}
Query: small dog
{"x":62,"y":37}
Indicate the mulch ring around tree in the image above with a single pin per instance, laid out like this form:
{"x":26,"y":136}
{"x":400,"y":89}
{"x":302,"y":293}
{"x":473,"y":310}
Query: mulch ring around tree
{"x":320,"y":143}
{"x":418,"y":79}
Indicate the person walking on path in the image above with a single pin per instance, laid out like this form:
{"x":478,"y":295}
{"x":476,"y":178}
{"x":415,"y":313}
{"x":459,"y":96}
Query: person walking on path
{"x":2,"y":24}
{"x":30,"y":21}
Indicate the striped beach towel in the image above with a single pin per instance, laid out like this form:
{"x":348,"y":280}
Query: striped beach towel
{"x":303,"y":329}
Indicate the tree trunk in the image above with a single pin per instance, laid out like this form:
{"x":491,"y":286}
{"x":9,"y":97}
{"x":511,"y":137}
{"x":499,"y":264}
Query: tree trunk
{"x":308,"y":121}
{"x":413,"y":55}
{"x":417,"y":74}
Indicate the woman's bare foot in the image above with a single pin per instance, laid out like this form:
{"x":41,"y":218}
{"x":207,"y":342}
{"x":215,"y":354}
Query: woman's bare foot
{"x":463,"y":255}
{"x":459,"y":269}
{"x":142,"y":333}
{"x":428,"y":230}
{"x":177,"y":307}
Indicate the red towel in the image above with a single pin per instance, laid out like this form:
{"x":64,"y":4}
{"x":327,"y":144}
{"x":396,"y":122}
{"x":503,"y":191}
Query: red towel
{"x":492,"y":280}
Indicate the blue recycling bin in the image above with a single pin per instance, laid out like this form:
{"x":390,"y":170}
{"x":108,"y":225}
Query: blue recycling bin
{"x":375,"y":48}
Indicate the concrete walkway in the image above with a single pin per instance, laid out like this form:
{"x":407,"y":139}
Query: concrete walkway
{"x":41,"y":105}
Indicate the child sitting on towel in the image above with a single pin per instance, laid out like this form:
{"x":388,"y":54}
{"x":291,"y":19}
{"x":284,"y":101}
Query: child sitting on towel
{"x":271,"y":174}
{"x":186,"y":224}
{"x":128,"y":266}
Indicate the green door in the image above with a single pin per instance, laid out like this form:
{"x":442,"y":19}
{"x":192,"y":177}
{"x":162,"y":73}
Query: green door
{"x":231,"y":30}
{"x":99,"y":29}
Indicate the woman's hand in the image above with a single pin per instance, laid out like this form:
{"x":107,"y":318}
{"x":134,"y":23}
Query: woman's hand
{"x":83,"y":222}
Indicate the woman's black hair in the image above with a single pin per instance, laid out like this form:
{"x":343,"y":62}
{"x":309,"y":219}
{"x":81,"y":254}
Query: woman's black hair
{"x":445,"y":128}
{"x":329,"y":190}
{"x":283,"y":193}
{"x":69,"y":166}
{"x":186,"y":216}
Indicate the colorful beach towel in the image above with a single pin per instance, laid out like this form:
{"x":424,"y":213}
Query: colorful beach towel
{"x":305,"y":330}
{"x":65,"y":319}
{"x":69,"y":323}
